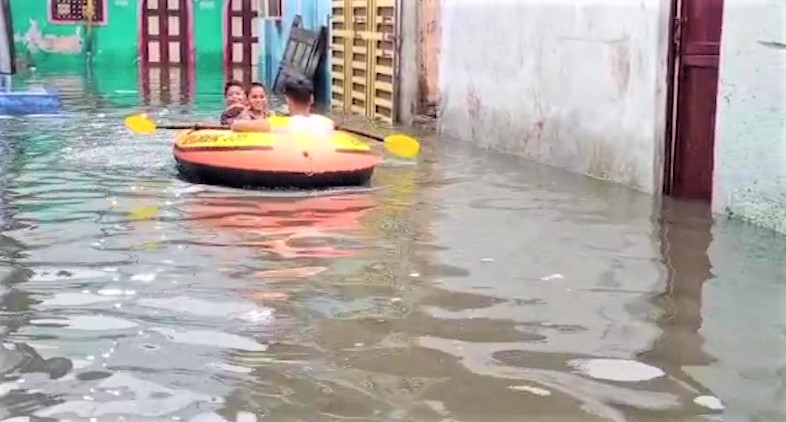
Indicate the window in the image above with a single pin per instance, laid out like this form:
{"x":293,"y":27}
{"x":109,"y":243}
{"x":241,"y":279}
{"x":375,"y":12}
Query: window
{"x":275,"y":9}
{"x":76,"y":11}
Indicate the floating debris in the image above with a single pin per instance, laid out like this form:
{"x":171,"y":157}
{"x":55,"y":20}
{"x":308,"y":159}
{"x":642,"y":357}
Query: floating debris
{"x":616,"y":369}
{"x":709,"y":402}
{"x":553,"y":277}
{"x":534,"y":390}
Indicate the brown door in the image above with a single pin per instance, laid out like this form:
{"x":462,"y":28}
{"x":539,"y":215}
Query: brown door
{"x":165,"y":33}
{"x":697,"y":33}
{"x":241,"y":40}
{"x":166,"y":73}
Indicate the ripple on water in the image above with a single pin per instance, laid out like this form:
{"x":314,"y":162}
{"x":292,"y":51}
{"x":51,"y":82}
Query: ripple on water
{"x":136,"y":397}
{"x":57,"y":274}
{"x":190,"y":305}
{"x":87,"y":323}
{"x":211,"y":338}
{"x":74,"y":299}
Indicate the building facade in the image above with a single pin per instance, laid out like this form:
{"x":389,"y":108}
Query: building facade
{"x":681,"y":98}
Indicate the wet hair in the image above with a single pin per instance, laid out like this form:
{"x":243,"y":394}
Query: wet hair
{"x":299,"y":90}
{"x":230,"y":84}
{"x":256,"y":85}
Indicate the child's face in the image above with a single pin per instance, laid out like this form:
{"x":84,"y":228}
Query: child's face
{"x":257,"y":99}
{"x":235,"y":95}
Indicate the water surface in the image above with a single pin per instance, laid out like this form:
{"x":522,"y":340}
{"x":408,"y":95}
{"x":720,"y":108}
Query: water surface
{"x":467,"y":286}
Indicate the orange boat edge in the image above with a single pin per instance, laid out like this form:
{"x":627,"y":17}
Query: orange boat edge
{"x":273,"y":160}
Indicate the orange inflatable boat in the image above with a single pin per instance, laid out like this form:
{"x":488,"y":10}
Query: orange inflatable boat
{"x":273,"y":160}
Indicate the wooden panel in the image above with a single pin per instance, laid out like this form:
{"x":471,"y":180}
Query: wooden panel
{"x":690,"y":153}
{"x":363,"y":51}
{"x":241,"y":43}
{"x":164,"y":25}
{"x":302,"y":54}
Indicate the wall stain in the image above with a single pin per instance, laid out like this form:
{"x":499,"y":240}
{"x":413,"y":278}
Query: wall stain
{"x":619,"y":62}
{"x":35,"y":40}
{"x":474,"y":105}
{"x":773,"y":44}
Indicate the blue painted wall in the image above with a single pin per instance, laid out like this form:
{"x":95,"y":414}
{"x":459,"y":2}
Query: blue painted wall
{"x":274,"y":34}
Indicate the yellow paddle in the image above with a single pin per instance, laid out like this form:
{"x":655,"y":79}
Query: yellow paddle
{"x":400,"y":145}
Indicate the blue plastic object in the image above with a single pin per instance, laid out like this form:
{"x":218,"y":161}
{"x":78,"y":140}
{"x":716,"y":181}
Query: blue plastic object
{"x":34,"y":101}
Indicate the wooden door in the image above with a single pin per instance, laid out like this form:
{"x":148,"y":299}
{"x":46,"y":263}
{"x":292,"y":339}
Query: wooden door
{"x":166,"y":38}
{"x":697,"y":34}
{"x":364,"y":50}
{"x":166,"y":54}
{"x":241,"y":39}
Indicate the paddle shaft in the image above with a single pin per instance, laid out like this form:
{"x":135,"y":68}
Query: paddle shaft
{"x":362,"y":133}
{"x":192,"y":126}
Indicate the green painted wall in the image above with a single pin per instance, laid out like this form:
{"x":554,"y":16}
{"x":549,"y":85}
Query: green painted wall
{"x":209,"y":33}
{"x":51,"y":45}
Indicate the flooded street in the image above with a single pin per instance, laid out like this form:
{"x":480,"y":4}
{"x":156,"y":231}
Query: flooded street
{"x":469,"y":286}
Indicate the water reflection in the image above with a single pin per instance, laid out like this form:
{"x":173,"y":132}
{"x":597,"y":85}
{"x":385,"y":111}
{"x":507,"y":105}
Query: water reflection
{"x":685,"y":236}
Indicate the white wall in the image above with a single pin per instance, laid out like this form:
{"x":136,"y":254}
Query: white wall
{"x":750,"y":138}
{"x":578,"y":85}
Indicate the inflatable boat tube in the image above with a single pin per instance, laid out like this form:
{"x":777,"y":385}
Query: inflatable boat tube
{"x":273,"y":160}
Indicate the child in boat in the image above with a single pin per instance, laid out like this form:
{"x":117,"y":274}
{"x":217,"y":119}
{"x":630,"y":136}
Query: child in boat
{"x":235,"y":99}
{"x":257,"y":102}
{"x":299,"y":94}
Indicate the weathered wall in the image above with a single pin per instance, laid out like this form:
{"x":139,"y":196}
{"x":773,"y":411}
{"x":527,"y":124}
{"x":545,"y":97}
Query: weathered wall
{"x":578,"y":85}
{"x":115,"y":43}
{"x":429,"y":35}
{"x":750,"y":140}
{"x":408,"y":89}
{"x":56,"y":45}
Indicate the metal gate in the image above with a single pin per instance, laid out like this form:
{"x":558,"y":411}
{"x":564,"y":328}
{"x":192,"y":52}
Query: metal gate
{"x":364,"y":52}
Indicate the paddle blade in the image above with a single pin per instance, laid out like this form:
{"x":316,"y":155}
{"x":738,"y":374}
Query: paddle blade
{"x":140,"y":123}
{"x":145,"y":212}
{"x":402,"y":145}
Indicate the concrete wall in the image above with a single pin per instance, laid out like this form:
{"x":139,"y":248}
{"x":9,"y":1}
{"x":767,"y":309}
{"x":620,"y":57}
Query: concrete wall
{"x":408,"y":89}
{"x":750,"y":140}
{"x":578,"y":85}
{"x":429,"y":35}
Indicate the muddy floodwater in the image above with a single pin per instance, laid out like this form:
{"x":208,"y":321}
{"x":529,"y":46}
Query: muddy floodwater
{"x":465,"y":286}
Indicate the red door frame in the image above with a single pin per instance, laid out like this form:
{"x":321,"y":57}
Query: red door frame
{"x":685,"y":53}
{"x":187,"y":51}
{"x":247,"y":14}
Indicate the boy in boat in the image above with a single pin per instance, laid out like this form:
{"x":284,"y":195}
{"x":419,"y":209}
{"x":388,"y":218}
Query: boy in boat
{"x":235,"y":99}
{"x":299,"y":95}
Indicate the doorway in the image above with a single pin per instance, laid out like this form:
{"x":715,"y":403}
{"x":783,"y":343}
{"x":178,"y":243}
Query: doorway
{"x":694,"y":57}
{"x":241,"y":39}
{"x":166,"y":51}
